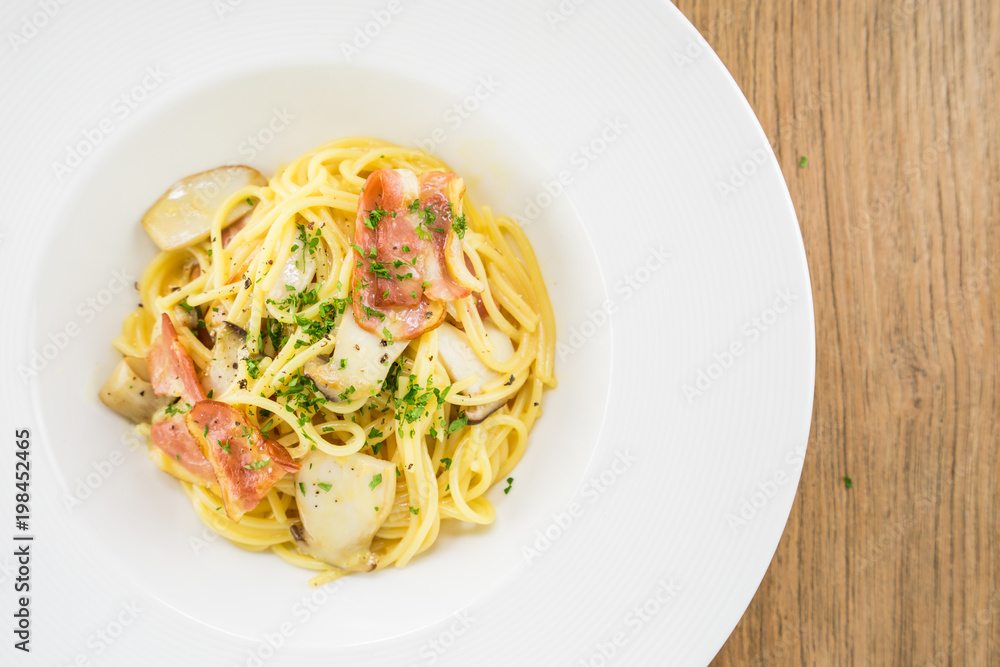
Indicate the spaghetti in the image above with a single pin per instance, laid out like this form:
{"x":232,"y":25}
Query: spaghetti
{"x":376,"y":340}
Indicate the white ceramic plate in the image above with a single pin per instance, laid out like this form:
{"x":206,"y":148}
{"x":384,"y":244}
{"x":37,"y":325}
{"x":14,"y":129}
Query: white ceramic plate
{"x":656,"y":485}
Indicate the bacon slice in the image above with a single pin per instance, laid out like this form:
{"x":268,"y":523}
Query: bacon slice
{"x":232,"y":230}
{"x":246,"y":463}
{"x":171,"y":435}
{"x":171,"y":369}
{"x":403,"y":224}
{"x":172,"y":373}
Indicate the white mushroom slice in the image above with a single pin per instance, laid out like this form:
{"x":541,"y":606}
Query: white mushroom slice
{"x":223,"y":368}
{"x":187,"y":317}
{"x":215,"y":320}
{"x":128,"y":394}
{"x":342,"y":502}
{"x":360,"y":360}
{"x":461,"y":361}
{"x":184,"y":214}
{"x":296,"y":274}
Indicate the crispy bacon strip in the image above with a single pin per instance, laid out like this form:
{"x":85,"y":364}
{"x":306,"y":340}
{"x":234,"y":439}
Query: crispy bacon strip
{"x":172,"y":436}
{"x":172,"y":373}
{"x":246,"y":463}
{"x":171,"y":369}
{"x":401,"y":278}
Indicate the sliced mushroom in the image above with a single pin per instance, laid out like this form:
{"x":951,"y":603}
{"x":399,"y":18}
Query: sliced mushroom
{"x":342,"y":502}
{"x":129,"y":394}
{"x":360,"y":360}
{"x":223,"y":368}
{"x":184,"y":214}
{"x":186,"y":316}
{"x":296,"y":274}
{"x":460,"y":361}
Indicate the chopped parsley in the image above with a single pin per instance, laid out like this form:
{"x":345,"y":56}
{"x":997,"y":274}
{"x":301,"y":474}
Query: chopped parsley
{"x":803,"y":161}
{"x":374,"y":216}
{"x":302,"y":488}
{"x":510,"y":483}
{"x":414,"y":205}
{"x":173,"y":408}
{"x":225,"y":447}
{"x":414,"y":511}
{"x":343,"y":363}
{"x":257,"y":465}
{"x":447,"y":463}
{"x":324,"y":486}
{"x":456,"y":424}
{"x":253,"y":368}
{"x":302,"y":397}
{"x":379,"y":269}
{"x":848,"y":482}
{"x":376,"y":480}
{"x":460,"y":226}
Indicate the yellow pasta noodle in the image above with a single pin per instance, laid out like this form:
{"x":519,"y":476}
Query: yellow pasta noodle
{"x":415,"y":420}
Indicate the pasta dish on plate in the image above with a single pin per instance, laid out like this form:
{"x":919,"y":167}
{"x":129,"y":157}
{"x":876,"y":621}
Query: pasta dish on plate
{"x":335,"y":360}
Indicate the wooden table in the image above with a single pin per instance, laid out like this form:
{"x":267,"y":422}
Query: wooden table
{"x":895,"y":105}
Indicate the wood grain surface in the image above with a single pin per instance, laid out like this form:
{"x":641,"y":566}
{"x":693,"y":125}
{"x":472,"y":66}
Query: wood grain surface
{"x":895,"y":105}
